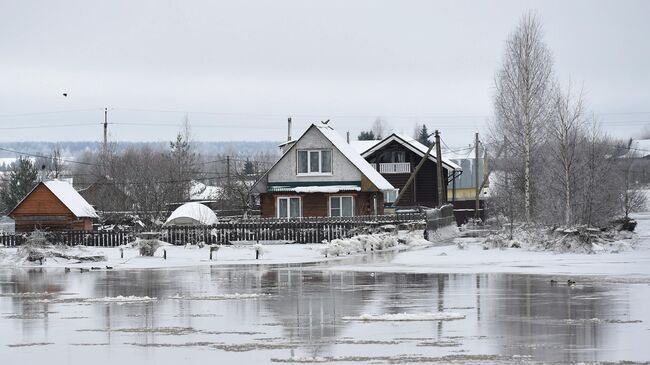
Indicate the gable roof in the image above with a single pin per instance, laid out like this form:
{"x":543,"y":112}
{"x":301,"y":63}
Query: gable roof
{"x":413,"y":145}
{"x":68,"y":196}
{"x":362,"y":146}
{"x":355,"y":158}
{"x":71,"y":198}
{"x":346,"y":150}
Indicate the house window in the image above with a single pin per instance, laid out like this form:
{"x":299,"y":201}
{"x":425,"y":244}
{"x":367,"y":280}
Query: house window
{"x":289,"y":207}
{"x":314,"y":162}
{"x":341,"y":206}
{"x":390,"y":196}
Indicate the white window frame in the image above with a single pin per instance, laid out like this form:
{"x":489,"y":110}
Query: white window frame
{"x":320,"y":162}
{"x":288,"y":198}
{"x":329,"y":205}
{"x":396,"y":191}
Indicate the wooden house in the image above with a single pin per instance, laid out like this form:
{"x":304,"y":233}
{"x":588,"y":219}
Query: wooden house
{"x":321,"y":175}
{"x":396,"y":157}
{"x":53,"y":205}
{"x":105,"y":196}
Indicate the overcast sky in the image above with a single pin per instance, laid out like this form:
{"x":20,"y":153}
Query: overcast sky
{"x":239,"y":68}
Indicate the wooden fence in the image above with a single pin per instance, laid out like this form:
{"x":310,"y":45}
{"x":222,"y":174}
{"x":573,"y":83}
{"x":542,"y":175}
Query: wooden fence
{"x":74,"y":238}
{"x":298,"y":230}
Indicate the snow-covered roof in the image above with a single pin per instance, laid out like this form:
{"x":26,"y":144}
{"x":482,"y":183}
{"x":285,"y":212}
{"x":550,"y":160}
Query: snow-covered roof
{"x":415,"y":146}
{"x":355,"y":158}
{"x":71,"y":198}
{"x":201,"y":191}
{"x":191,"y":214}
{"x":363,"y":146}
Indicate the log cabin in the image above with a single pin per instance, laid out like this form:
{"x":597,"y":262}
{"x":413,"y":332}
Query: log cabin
{"x":54,"y":206}
{"x":396,"y":157}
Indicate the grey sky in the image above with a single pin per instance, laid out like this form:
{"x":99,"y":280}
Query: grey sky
{"x":253,"y":63}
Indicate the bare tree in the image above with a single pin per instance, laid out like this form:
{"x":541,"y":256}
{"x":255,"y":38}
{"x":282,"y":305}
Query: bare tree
{"x":523,"y":96}
{"x":182,"y":164}
{"x":380,"y":128}
{"x":565,"y":131}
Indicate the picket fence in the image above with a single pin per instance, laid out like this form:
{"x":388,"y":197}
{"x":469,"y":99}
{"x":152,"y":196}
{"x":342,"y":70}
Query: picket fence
{"x":298,"y":230}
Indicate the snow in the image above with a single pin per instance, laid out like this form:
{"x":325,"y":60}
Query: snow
{"x":201,"y":191}
{"x":355,"y":158}
{"x":427,"y":316}
{"x":71,"y":198}
{"x":326,"y":189}
{"x":467,"y":256}
{"x":363,"y":146}
{"x":192,"y":214}
{"x":177,"y":256}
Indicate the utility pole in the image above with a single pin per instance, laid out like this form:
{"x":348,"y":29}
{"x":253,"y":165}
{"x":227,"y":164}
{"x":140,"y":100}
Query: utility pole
{"x":105,"y":129}
{"x":476,"y":173}
{"x":442,"y":194}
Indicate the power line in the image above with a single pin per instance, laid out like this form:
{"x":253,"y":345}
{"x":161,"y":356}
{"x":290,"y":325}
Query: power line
{"x":51,"y":126}
{"x":47,"y":157}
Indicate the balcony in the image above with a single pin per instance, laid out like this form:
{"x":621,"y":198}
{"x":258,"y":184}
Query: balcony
{"x":393,"y":168}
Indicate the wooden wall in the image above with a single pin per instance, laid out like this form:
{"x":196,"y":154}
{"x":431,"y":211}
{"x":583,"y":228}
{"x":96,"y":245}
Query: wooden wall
{"x":43,"y":210}
{"x":424,"y":189}
{"x":317,"y":204}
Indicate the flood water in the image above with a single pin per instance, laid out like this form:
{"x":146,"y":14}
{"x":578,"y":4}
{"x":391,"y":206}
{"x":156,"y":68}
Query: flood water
{"x":311,"y":314}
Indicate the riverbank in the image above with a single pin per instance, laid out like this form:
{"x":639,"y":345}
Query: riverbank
{"x":467,"y":256}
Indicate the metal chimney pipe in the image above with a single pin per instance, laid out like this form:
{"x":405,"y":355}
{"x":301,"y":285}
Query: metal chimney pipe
{"x":289,"y":129}
{"x":348,"y":135}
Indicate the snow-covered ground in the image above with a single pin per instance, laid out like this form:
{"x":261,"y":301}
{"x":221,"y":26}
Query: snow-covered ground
{"x":239,"y":254}
{"x":472,"y":258}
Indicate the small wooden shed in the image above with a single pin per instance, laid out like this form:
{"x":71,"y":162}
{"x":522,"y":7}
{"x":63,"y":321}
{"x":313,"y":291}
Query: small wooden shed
{"x":55,"y":206}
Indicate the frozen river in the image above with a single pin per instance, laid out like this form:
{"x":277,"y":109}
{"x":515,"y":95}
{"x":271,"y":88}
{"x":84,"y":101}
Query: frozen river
{"x":256,"y":315}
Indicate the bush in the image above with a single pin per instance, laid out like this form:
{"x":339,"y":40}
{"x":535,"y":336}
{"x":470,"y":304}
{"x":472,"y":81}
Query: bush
{"x":147,"y":247}
{"x":33,"y":248}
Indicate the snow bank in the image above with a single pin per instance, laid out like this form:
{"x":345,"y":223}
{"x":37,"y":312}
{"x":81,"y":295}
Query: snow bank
{"x":426,"y":316}
{"x":563,"y":240}
{"x":28,"y":255}
{"x":373,"y":242}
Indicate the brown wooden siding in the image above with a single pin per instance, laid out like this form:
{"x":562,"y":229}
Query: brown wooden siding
{"x":43,"y":210}
{"x":317,"y":204}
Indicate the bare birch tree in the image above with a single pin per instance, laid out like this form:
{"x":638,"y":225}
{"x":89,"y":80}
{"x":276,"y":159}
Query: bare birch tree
{"x":566,"y":131}
{"x":523,"y":97}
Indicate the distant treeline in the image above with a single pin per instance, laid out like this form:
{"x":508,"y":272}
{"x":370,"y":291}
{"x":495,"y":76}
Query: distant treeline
{"x":76,"y":148}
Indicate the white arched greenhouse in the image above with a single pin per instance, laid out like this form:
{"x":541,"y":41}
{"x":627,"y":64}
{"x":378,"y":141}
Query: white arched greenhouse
{"x":191,"y":214}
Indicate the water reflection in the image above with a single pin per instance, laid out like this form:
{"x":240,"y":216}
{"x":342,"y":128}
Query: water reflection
{"x":254,"y":314}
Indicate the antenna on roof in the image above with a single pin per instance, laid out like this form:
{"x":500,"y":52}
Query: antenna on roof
{"x":325,"y":122}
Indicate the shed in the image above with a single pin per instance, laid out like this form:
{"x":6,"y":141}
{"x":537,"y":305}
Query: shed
{"x":191,"y":214}
{"x":53,"y":205}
